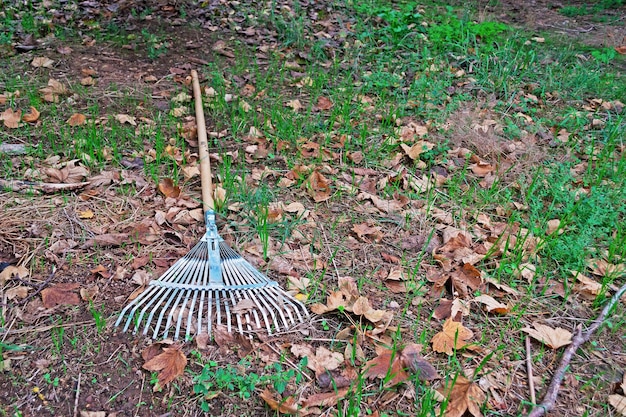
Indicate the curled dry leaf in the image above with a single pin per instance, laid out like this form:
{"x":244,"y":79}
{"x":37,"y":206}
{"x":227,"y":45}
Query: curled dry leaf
{"x":453,"y":336}
{"x":586,"y":287}
{"x":31,"y":116}
{"x":318,"y":187}
{"x":324,"y":103}
{"x":170,"y":364}
{"x":124,"y":118}
{"x":619,"y":403}
{"x":362,"y":307}
{"x":168,"y":189}
{"x":554,"y":338}
{"x":492,"y":305}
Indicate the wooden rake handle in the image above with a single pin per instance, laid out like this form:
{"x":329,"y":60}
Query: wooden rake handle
{"x":203,"y":144}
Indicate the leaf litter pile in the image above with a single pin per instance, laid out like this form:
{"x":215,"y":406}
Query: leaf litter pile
{"x":409,"y":314}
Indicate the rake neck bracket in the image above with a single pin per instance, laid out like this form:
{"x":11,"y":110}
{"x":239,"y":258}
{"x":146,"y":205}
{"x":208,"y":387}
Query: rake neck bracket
{"x":213,"y":240}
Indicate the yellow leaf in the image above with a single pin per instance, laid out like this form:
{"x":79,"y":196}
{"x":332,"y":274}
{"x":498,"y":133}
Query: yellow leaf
{"x":87,"y":214}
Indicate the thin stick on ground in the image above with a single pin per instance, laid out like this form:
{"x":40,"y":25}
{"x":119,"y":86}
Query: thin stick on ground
{"x":529,"y":370}
{"x":579,"y":338}
{"x":80,"y":374}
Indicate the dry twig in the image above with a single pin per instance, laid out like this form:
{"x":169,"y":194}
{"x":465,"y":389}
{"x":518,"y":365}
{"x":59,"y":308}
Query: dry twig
{"x":579,"y":338}
{"x":529,"y":370}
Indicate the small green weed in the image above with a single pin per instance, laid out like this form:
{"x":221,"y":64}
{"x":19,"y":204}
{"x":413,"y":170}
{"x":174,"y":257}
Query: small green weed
{"x":98,"y":317}
{"x":52,"y":381}
{"x":236,"y":380}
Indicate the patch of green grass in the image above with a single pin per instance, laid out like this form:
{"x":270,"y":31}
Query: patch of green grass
{"x":591,"y":9}
{"x":239,"y":381}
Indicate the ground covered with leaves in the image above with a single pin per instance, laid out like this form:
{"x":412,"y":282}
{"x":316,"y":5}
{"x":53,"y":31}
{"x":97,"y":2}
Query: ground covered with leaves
{"x":441,"y":185}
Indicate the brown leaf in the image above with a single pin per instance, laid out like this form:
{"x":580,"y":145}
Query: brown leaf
{"x":53,"y":91}
{"x":463,"y":396}
{"x":294,"y":104}
{"x":285,"y":406}
{"x":125,"y":118}
{"x":453,"y":336}
{"x":32,"y":116}
{"x":60,"y":294}
{"x":11,"y":119}
{"x":318,"y":187}
{"x":17,"y":292}
{"x":417,"y":149}
{"x":366,"y":232}
{"x":325,"y":399}
{"x":107,"y":239}
{"x":170,"y":364}
{"x":412,"y":359}
{"x":387,"y":365}
{"x":362,"y":307}
{"x":42,"y":62}
{"x":168,"y":189}
{"x":553,"y":338}
{"x":586,"y":287}
{"x":77,"y":119}
{"x":324,"y":103}
{"x":618,"y":401}
{"x":13,"y":271}
{"x":492,"y":305}
{"x":101,"y":270}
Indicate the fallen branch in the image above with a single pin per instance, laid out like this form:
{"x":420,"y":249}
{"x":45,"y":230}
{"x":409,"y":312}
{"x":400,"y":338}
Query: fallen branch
{"x":45,"y":187}
{"x":579,"y":338}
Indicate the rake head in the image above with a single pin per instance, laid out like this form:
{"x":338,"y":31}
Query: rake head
{"x":212,"y":285}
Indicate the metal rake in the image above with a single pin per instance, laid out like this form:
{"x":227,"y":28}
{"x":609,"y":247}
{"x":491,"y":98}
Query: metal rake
{"x":212,"y":284}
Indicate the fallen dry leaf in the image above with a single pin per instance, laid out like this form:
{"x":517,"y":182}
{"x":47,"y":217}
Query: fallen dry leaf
{"x":324,"y":103}
{"x":170,"y":364}
{"x":284,"y":406}
{"x":42,"y":62}
{"x":318,"y":187}
{"x":492,"y":305}
{"x":13,"y":271}
{"x":294,"y":104}
{"x":554,"y":338}
{"x":168,"y":189}
{"x":11,"y":119}
{"x":20,"y":291}
{"x":31,"y":116}
{"x":124,"y":118}
{"x":393,"y":367}
{"x":586,"y":287}
{"x":619,"y":403}
{"x":453,"y":336}
{"x":387,"y":365}
{"x":463,"y":396}
{"x":77,"y":119}
{"x":60,"y":294}
{"x":53,"y":91}
{"x":368,"y":233}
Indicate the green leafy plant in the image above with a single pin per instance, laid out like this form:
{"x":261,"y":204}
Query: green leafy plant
{"x":230,"y":379}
